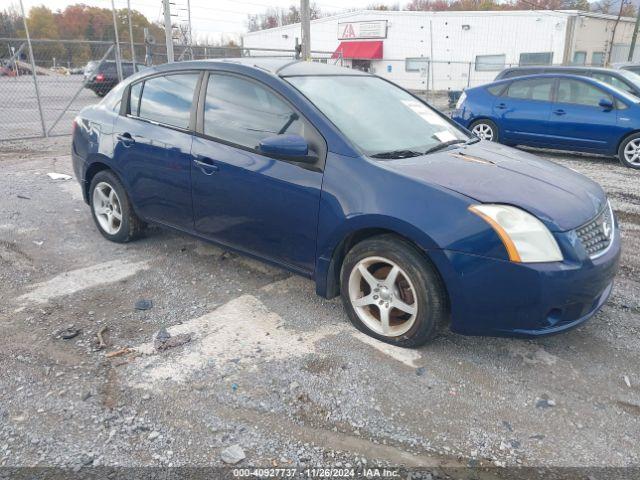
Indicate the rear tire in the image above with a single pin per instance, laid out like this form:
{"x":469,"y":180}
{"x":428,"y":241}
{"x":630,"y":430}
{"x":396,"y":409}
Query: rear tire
{"x":111,"y":209}
{"x":629,"y":151}
{"x":392,"y":292}
{"x":485,"y":130}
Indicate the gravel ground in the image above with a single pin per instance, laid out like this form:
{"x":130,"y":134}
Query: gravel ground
{"x":271,"y":368}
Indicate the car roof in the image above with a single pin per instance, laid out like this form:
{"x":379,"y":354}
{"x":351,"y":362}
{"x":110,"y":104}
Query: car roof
{"x":546,"y":75}
{"x":560,"y":68}
{"x":282,"y":67}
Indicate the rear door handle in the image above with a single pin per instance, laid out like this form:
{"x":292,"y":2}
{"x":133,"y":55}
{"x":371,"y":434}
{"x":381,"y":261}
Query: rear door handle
{"x":206,"y":165}
{"x":559,"y":112}
{"x":126,"y":139}
{"x":501,"y":106}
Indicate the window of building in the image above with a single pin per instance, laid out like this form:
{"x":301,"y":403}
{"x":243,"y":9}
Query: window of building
{"x":416,"y":64}
{"x":597,"y":58}
{"x":579,"y":58}
{"x":243,"y":112}
{"x":580,"y":93}
{"x":490,"y":63}
{"x":536,"y":58}
{"x":535,"y":89}
{"x":168,"y":100}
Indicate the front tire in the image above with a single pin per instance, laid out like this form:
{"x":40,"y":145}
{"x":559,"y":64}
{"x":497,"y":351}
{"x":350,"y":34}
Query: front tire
{"x":629,"y":151}
{"x":111,"y":209}
{"x":485,"y":130}
{"x":392,"y":292}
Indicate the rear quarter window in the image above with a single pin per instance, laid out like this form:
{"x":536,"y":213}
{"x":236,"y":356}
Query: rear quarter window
{"x":496,"y":90}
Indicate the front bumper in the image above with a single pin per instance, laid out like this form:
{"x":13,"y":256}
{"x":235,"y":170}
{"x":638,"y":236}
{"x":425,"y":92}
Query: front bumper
{"x":496,"y":297}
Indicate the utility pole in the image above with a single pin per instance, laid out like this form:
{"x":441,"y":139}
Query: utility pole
{"x":115,"y":31}
{"x":133,"y":50}
{"x":33,"y":69}
{"x":189,"y":20}
{"x":634,"y":37}
{"x":305,"y":18}
{"x":613,"y":34}
{"x":168,"y":30}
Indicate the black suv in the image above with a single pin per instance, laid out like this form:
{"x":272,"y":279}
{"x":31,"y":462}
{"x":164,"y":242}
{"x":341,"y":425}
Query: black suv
{"x":622,"y":79}
{"x":102,"y":77}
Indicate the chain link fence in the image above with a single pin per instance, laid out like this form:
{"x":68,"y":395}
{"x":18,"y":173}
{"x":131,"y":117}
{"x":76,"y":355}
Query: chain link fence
{"x":41,"y":97}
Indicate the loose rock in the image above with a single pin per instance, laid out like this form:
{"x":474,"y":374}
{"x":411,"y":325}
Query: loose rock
{"x":233,"y":454}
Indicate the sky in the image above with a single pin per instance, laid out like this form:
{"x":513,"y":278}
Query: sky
{"x":209,"y":19}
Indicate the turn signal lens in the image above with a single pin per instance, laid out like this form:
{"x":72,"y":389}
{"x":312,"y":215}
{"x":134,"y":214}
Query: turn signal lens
{"x":525,"y":238}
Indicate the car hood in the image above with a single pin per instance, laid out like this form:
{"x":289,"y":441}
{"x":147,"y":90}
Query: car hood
{"x":493,"y":173}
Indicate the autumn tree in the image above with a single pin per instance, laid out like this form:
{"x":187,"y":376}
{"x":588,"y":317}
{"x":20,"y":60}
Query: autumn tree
{"x":277,"y":17}
{"x":10,"y":23}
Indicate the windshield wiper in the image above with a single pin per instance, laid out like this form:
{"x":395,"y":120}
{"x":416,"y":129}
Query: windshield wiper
{"x":442,"y":145}
{"x":397,"y":154}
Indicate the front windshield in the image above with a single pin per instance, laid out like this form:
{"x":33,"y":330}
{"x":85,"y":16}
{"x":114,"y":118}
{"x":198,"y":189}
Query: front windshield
{"x":383,"y":120}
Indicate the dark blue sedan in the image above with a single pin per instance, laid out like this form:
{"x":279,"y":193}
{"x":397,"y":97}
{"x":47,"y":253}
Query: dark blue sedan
{"x":565,"y":112}
{"x":349,"y":180}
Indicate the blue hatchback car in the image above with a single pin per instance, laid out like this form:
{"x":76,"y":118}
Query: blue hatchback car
{"x":565,"y":112}
{"x":347,"y":179}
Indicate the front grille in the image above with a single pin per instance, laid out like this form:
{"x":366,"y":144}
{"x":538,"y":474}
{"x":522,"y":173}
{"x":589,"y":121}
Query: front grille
{"x":597,"y":235}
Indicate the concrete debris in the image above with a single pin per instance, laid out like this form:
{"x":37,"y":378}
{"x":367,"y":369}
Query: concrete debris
{"x":164,"y":340}
{"x":233,"y":454}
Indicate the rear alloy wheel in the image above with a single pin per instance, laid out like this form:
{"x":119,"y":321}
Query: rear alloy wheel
{"x":392,"y":292}
{"x":485,"y":130}
{"x":107,"y":208}
{"x":629,"y":151}
{"x":112,"y":210}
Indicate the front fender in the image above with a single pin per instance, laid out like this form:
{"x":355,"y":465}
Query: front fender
{"x":329,"y":258}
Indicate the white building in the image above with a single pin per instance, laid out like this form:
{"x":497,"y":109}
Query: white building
{"x":452,"y":50}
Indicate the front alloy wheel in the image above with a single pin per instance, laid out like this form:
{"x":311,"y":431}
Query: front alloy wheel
{"x":383,"y":296}
{"x":629,"y":151}
{"x":392,"y":292}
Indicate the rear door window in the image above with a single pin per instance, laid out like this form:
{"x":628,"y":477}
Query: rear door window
{"x":244,"y":112}
{"x":533,"y":89}
{"x":168,"y":99}
{"x":580,"y":93}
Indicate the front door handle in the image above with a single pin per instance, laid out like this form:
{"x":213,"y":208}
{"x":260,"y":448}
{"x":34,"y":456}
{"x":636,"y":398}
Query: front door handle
{"x":501,"y":106}
{"x":126,"y":139}
{"x":559,"y":112}
{"x":206,"y":165}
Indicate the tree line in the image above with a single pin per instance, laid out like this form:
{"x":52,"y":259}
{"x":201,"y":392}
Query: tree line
{"x":276,"y":17}
{"x":76,"y":22}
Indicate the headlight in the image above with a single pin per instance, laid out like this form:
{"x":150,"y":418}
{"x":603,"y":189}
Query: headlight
{"x":461,"y":99}
{"x":523,"y":235}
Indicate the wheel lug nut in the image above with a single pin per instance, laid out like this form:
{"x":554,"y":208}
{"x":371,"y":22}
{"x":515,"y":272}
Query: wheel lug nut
{"x":375,"y":297}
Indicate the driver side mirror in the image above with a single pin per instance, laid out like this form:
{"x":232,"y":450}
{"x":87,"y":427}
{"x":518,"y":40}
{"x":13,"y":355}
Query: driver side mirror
{"x":606,"y":104}
{"x":287,"y":147}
